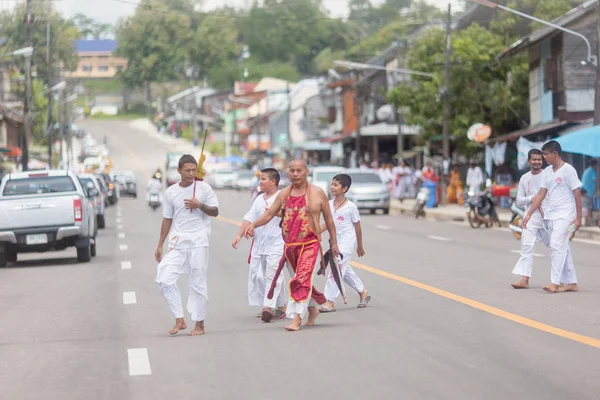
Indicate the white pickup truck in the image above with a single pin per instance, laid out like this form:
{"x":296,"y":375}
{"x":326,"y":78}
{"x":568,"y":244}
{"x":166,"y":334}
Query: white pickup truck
{"x":46,"y":210}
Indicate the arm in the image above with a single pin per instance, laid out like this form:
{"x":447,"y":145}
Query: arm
{"x":535,"y":204}
{"x":266,"y":217}
{"x":577,"y":194}
{"x":522,"y":199}
{"x":325,"y":209}
{"x":164,"y":232}
{"x":211,"y":211}
{"x":358,"y":229}
{"x":240,"y":233}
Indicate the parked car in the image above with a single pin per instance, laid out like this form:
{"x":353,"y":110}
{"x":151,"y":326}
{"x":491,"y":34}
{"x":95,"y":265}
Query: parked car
{"x":221,"y":179}
{"x":113,"y":190}
{"x":43,"y":211}
{"x":242,"y":179}
{"x":368,"y":191}
{"x":322,"y":176}
{"x":126,"y":181}
{"x":91,"y":181}
{"x":172,"y":175}
{"x":284,"y":180}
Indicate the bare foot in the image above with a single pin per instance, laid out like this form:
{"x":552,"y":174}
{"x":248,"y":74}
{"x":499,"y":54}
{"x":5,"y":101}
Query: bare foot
{"x":295,"y":325}
{"x":364,"y":294}
{"x":552,"y":288}
{"x":330,"y":304}
{"x":198,"y":329}
{"x":520,"y":285}
{"x":571,"y":287}
{"x":179,"y":325}
{"x":313,"y":313}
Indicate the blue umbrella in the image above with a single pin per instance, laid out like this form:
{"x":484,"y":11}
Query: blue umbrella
{"x":234,"y":159}
{"x":584,"y":141}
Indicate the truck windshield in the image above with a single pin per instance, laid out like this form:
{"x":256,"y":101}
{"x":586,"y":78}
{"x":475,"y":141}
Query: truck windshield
{"x":47,"y":184}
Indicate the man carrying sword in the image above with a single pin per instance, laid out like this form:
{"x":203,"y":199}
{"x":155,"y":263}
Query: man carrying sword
{"x":301,"y":206}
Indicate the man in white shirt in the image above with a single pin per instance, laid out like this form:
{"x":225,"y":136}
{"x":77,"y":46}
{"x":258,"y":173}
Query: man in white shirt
{"x":266,"y":251}
{"x":529,"y":186}
{"x":404,"y":181}
{"x":186,"y":210}
{"x":474,"y":178}
{"x":154,"y":187}
{"x":560,"y":187}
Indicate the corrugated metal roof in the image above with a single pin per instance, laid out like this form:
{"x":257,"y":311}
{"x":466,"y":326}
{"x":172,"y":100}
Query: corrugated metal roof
{"x":96,"y":45}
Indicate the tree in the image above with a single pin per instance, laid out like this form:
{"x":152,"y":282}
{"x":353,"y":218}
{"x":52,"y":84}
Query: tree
{"x":89,"y":28}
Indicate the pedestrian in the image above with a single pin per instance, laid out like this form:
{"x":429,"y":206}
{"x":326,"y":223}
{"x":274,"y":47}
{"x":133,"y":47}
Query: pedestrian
{"x":589,"y":178}
{"x":404,"y":181}
{"x":529,"y":187}
{"x":474,"y":178}
{"x":587,"y":204}
{"x":266,"y":251}
{"x":560,"y":186}
{"x":301,"y":205}
{"x":455,"y":187}
{"x":186,"y":210}
{"x":349,"y":238}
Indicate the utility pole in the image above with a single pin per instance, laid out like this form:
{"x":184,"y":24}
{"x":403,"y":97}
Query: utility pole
{"x":597,"y":94}
{"x":61,"y":119}
{"x":400,"y":137}
{"x":357,"y":112}
{"x":49,"y":122}
{"x":288,"y":119}
{"x":27,"y":103}
{"x":446,"y":124}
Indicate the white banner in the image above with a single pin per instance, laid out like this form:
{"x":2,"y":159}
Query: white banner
{"x":523,"y":147}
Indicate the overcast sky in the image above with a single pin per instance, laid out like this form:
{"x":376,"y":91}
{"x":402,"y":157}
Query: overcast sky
{"x":110,"y":10}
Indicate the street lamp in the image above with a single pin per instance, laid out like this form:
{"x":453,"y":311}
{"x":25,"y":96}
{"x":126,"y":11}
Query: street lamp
{"x":24,"y":52}
{"x":590,"y":58}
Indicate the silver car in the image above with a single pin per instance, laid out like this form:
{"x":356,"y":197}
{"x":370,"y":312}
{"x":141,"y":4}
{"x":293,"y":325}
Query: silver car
{"x":242,"y":179}
{"x":91,"y":181}
{"x":368,"y":191}
{"x":221,"y":179}
{"x":322,"y":176}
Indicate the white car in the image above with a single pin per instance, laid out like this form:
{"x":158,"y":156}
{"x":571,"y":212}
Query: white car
{"x":368,"y":191}
{"x":242,"y":179}
{"x":91,"y":181}
{"x":222,"y":179}
{"x":322,"y":176}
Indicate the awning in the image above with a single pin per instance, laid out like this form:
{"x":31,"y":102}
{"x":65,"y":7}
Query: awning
{"x":537,"y":129}
{"x":384,"y":129}
{"x":312,"y":145}
{"x":584,"y":141}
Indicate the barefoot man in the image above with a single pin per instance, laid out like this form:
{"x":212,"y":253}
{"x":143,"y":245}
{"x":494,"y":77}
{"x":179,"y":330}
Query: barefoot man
{"x":560,"y":187}
{"x":187,"y":209}
{"x":301,"y":206}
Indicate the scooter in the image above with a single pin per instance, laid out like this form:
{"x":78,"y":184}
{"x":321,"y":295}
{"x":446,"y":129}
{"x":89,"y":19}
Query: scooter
{"x":516,"y":222}
{"x":154,"y":201}
{"x":422,"y":198}
{"x":481,"y":209}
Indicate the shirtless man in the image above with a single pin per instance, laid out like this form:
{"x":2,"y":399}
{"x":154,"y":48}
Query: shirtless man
{"x":301,"y":206}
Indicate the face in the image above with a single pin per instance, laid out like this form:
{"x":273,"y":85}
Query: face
{"x":535,"y":162}
{"x":298,"y":172}
{"x":188,"y":172}
{"x":336,"y":188}
{"x":550,"y":157}
{"x":266,"y":183}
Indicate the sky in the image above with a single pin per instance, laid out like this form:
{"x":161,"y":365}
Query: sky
{"x":110,"y":11}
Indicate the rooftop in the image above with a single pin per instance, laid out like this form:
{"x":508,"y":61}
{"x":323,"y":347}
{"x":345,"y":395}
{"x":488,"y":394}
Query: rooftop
{"x":96,"y":45}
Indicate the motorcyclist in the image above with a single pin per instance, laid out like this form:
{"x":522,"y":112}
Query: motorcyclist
{"x":155,"y":187}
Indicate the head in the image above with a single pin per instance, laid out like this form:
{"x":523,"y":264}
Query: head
{"x":298,"y":172}
{"x":402,"y":163}
{"x":593,"y":163}
{"x":552,"y":152}
{"x":340,"y":184}
{"x":472,"y":164}
{"x":187,"y":169}
{"x":455,"y":168}
{"x":535,"y":160}
{"x":269,"y":179}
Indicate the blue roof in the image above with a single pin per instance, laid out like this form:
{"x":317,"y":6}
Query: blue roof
{"x":97,"y":45}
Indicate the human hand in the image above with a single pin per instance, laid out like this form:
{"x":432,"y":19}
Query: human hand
{"x":526,"y":220}
{"x":249,"y":231}
{"x":360,"y":251}
{"x":577,"y":223}
{"x":236,"y":241}
{"x":335,"y":250}
{"x":158,"y":254}
{"x":192,"y":203}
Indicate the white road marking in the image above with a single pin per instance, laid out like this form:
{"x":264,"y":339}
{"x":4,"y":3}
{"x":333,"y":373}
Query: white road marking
{"x":440,"y":238}
{"x":122,"y":247}
{"x":384,"y":227}
{"x":588,"y":241}
{"x":139,"y":362}
{"x":119,"y":226}
{"x":503,"y":229}
{"x":125,"y":264}
{"x":519,"y":252}
{"x":129,"y":298}
{"x":121,"y":235}
{"x":119,"y":221}
{"x":119,"y":213}
{"x":431,"y":219}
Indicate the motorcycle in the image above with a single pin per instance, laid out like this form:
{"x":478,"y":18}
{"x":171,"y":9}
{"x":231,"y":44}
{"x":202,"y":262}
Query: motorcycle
{"x":154,"y":201}
{"x":481,"y":209}
{"x":422,"y":198}
{"x":516,"y":222}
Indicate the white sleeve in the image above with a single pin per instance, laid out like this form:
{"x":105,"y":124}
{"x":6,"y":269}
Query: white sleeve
{"x":252,"y":215}
{"x":522,"y":199}
{"x":573,"y":180}
{"x":544,"y":183}
{"x":168,"y":208}
{"x":210,"y":198}
{"x":354,"y":214}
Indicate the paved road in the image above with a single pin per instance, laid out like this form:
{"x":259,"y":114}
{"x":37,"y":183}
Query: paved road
{"x":444,"y":322}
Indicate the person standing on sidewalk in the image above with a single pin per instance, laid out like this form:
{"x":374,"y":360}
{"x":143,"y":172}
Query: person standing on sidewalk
{"x":561,"y":188}
{"x":529,"y":187}
{"x":474,"y":178}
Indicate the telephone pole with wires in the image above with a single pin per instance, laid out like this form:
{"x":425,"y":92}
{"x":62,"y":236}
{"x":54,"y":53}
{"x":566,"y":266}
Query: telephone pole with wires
{"x":28,"y":99}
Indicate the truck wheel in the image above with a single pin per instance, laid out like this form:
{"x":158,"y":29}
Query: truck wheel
{"x":11,"y":256}
{"x":101,"y":221}
{"x":84,"y":254}
{"x":93,"y":250}
{"x":386,"y":211}
{"x":3,"y":260}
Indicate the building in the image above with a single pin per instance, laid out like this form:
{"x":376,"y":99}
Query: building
{"x":97,"y":59}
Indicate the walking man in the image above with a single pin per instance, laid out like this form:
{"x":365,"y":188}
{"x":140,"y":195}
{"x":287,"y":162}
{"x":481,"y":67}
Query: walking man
{"x":186,"y":210}
{"x":301,"y":206}
{"x":529,"y":187}
{"x":560,"y":186}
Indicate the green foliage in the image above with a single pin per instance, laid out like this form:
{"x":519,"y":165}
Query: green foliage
{"x":89,"y":28}
{"x":103,"y":86}
{"x":224,"y":76}
{"x":39,"y":108}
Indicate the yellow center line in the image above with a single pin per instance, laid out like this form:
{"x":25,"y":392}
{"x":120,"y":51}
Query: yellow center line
{"x":431,"y":289}
{"x":471,"y":303}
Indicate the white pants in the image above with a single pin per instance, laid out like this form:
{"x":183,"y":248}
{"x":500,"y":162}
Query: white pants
{"x":185,"y":261}
{"x":560,"y":252}
{"x":260,"y":277}
{"x":404,"y":189}
{"x":349,"y":276}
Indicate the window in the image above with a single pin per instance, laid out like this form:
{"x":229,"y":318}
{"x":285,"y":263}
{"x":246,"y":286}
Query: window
{"x":103,"y":68}
{"x":49,"y":184}
{"x":86,"y":68}
{"x":365,"y":178}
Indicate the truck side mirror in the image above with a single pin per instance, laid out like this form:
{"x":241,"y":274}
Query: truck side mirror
{"x":92,"y":193}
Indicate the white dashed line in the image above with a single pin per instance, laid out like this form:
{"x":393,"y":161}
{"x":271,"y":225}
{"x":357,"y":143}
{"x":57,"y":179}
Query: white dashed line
{"x":121,"y":235}
{"x":129,"y":298}
{"x":519,"y":252}
{"x":440,"y":238}
{"x":119,"y":226}
{"x":431,"y":219}
{"x":119,"y":213}
{"x":119,"y":221}
{"x":139,"y":363}
{"x":588,"y":241}
{"x":384,"y":227}
{"x":503,"y":229}
{"x":125,"y":264}
{"x":122,"y":247}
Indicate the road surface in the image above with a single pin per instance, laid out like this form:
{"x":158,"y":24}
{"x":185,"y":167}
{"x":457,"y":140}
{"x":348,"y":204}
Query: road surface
{"x":443,"y":322}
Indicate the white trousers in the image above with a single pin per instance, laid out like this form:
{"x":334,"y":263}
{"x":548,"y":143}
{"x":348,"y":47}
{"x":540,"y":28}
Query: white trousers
{"x":260,"y":277}
{"x":350,"y":278}
{"x":185,"y":261}
{"x":560,"y":252}
{"x":301,"y":308}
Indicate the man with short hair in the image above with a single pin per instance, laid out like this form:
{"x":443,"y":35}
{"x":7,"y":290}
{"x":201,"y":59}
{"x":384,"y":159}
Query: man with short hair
{"x":474,"y":178}
{"x":301,"y":206}
{"x":560,"y":187}
{"x":186,"y":210}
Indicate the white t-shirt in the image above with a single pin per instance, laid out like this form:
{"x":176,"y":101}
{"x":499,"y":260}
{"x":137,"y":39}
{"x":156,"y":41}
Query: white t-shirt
{"x":344,"y":218}
{"x":190,"y":228}
{"x":560,"y":200}
{"x":529,"y":186}
{"x":267,"y":239}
